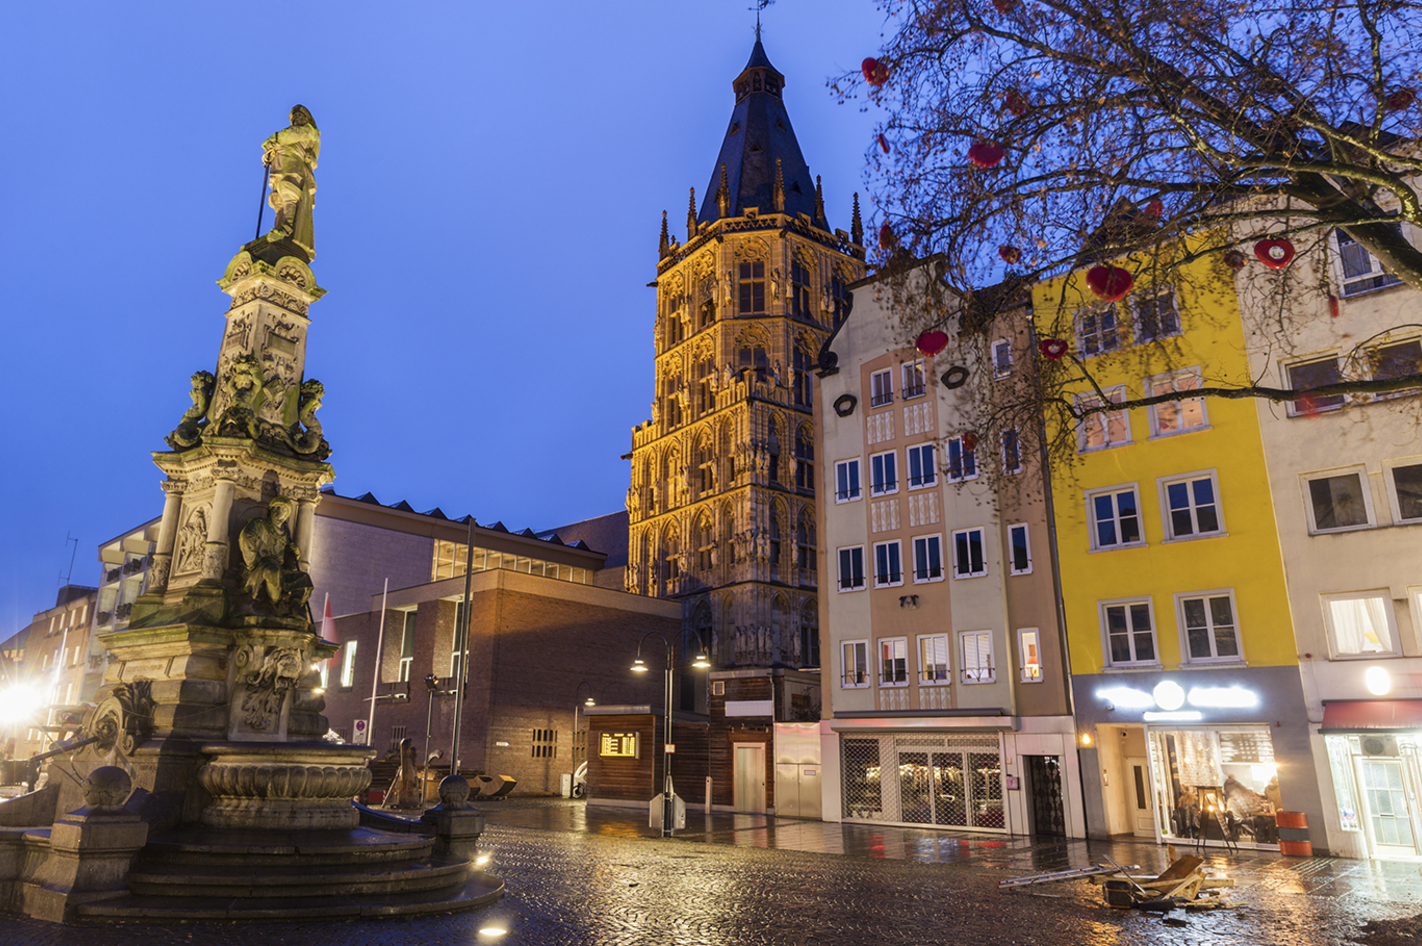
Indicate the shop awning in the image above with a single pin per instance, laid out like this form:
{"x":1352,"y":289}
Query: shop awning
{"x":1340,"y":716}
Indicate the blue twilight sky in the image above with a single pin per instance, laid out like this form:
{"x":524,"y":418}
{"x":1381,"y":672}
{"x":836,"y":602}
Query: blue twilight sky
{"x":490,"y":192}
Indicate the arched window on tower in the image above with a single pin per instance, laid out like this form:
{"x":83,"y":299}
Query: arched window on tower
{"x":704,"y":541}
{"x":805,"y":459}
{"x":754,"y":358}
{"x":705,"y":397}
{"x":752,"y":287}
{"x":727,"y":455}
{"x":671,"y":559}
{"x":805,"y":541}
{"x":839,"y":298}
{"x":647,"y":567}
{"x":810,"y":635}
{"x":727,"y":531}
{"x":772,"y":446}
{"x":775,"y":539}
{"x":671,"y":400}
{"x":801,"y":381}
{"x":800,"y":304}
{"x":705,"y":467}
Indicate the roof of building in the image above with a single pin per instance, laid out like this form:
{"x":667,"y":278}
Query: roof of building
{"x":551,"y":537}
{"x":758,"y":134}
{"x":606,"y":534}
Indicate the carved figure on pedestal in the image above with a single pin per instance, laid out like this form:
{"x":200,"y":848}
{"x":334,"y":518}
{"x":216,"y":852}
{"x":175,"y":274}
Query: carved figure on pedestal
{"x":188,"y":433}
{"x":272,"y":561}
{"x":308,"y":443}
{"x":291,"y":155}
{"x":244,"y":397}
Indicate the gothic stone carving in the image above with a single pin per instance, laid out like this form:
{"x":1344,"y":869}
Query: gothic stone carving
{"x":189,"y":430}
{"x":191,"y":540}
{"x":123,"y":721}
{"x":267,"y":685}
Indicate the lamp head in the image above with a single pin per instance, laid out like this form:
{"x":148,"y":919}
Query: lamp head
{"x":639,"y":665}
{"x":430,"y":681}
{"x":702,"y":661}
{"x":589,"y":702}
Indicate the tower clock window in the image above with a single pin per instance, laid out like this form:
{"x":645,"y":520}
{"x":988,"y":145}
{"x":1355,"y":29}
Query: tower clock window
{"x":752,"y":287}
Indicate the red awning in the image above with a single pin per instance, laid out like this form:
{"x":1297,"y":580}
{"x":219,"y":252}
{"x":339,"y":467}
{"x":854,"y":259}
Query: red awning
{"x":1371,"y":715}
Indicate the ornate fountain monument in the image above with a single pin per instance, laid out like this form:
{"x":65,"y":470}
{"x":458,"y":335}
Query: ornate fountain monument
{"x":211,"y":707}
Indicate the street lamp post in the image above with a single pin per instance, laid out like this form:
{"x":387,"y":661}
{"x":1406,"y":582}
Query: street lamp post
{"x":640,"y":666}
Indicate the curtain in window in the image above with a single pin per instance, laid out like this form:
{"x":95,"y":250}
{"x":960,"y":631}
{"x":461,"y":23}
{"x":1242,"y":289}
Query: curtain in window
{"x":1360,"y":625}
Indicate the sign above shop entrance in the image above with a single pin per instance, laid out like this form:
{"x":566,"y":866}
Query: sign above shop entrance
{"x":1166,"y":701}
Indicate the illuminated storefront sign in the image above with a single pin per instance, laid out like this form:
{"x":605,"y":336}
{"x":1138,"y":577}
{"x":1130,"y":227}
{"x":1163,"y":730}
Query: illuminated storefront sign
{"x":618,"y":745}
{"x":1167,"y":699}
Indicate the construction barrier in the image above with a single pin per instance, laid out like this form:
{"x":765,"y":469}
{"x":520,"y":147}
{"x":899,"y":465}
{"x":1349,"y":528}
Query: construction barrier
{"x":1294,"y":840}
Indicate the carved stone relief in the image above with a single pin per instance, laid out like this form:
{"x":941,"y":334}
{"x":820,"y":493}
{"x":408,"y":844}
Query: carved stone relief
{"x":267,"y":682}
{"x":191,"y":540}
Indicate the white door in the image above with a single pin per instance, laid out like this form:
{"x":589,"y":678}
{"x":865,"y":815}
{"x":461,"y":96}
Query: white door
{"x":1388,"y":805}
{"x":1138,"y":798}
{"x":750,"y":778}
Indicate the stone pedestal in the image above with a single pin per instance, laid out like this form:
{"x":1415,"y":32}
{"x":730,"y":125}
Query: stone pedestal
{"x":287,"y":786}
{"x":456,"y":824}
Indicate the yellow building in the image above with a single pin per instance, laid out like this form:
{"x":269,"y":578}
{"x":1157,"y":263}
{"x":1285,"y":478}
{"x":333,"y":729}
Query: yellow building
{"x":1185,"y":672}
{"x":721,"y":505}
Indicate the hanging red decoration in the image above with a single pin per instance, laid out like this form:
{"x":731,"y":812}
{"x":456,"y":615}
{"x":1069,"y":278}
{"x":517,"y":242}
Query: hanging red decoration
{"x":883,"y":144}
{"x":1015,"y":103}
{"x":1276,"y":254}
{"x":875,"y":72}
{"x":986,"y":154}
{"x":1398,"y":99}
{"x":1333,"y":305}
{"x":886,"y":237}
{"x":1053,"y":349}
{"x":1109,"y":282}
{"x":1010,"y":254}
{"x":970,"y":441}
{"x":1004,"y":6}
{"x":1235,"y":259}
{"x":1155,"y":209}
{"x":931,"y":343}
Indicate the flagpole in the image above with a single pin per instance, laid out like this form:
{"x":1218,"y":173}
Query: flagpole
{"x":375,"y":677}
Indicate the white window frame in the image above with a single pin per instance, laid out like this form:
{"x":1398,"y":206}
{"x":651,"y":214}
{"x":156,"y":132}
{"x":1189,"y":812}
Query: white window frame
{"x":1098,"y":313}
{"x":1188,"y":658}
{"x":1115,"y":394}
{"x":1168,"y":382}
{"x":348,"y":652}
{"x":915,"y":380}
{"x":1092,"y":522}
{"x":1337,"y":401}
{"x":1012,"y":531}
{"x":1001,"y":359}
{"x":1373,"y":279}
{"x":1014,"y":435}
{"x":1029,"y":639}
{"x":1103,"y":606}
{"x":1138,"y":335}
{"x":1162,"y":486}
{"x":884,"y":486}
{"x":925,"y":455}
{"x":845,"y":495}
{"x":840,"y":558}
{"x":1372,"y":351}
{"x":931,"y":671}
{"x":893,"y":551}
{"x":881,"y":388}
{"x":967,"y":466}
{"x":861,"y":679}
{"x":1361,"y":472}
{"x":1383,"y":597}
{"x":892,"y":649}
{"x":982,"y":548}
{"x":1394,"y":500}
{"x":928,"y":540}
{"x":973,"y":672}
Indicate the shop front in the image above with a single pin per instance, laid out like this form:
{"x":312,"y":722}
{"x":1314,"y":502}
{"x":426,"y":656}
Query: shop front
{"x":1373,"y":749}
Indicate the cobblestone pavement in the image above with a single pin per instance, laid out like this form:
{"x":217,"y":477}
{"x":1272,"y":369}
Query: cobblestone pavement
{"x":592,"y":877}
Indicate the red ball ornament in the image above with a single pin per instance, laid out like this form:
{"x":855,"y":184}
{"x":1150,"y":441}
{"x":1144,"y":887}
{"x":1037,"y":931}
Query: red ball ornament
{"x":986,"y":154}
{"x":970,"y":441}
{"x":875,"y":72}
{"x":883,"y":144}
{"x":931,"y":343}
{"x":1053,"y":349}
{"x":1276,"y":254}
{"x":1109,"y":282}
{"x":1398,"y":99}
{"x":1235,"y":259}
{"x":1155,"y":209}
{"x":886,"y":237}
{"x":1015,"y":103}
{"x":1009,"y":254}
{"x":1004,"y":6}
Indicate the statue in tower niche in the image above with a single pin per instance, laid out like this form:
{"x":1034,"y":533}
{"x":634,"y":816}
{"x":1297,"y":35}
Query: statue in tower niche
{"x":271,"y":562}
{"x":290,"y":155}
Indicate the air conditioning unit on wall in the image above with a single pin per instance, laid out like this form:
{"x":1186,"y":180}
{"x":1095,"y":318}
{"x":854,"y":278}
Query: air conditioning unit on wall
{"x":1380,"y":745}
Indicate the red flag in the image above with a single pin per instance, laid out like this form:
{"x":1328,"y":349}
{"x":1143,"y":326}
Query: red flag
{"x":328,"y":623}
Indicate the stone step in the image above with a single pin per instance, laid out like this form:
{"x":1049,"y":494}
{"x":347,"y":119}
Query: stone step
{"x":479,"y":890}
{"x":200,"y":845}
{"x":242,"y":880}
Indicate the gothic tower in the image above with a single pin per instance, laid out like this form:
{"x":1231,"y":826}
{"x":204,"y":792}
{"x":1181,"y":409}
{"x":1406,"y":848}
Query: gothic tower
{"x":722,"y":500}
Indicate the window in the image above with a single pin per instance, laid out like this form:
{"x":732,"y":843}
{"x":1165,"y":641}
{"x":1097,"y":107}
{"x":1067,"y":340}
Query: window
{"x":1190,"y":506}
{"x":1313,"y":374}
{"x":1096,"y":332}
{"x":802,"y":382}
{"x":774,"y":539}
{"x":458,"y":651}
{"x":1115,"y":519}
{"x":883,"y":474}
{"x":407,"y":646}
{"x":1156,"y":315}
{"x":928,"y":558}
{"x":1361,"y":270}
{"x":1102,"y":429}
{"x":851,"y":568}
{"x":887,"y":567}
{"x":962,"y":458}
{"x":933,"y":659}
{"x":1208,"y":625}
{"x":881,"y":388}
{"x":752,"y":287}
{"x":545,"y":744}
{"x":805,"y":541}
{"x":348,"y":664}
{"x":1337,"y":501}
{"x":855,"y":663}
{"x":893,"y":662}
{"x":1406,"y":481}
{"x":846,"y":480}
{"x":1029,"y":650}
{"x":1396,"y":360}
{"x":1020,"y":548}
{"x":800,"y":306}
{"x":913,"y":379}
{"x":1001,"y":358}
{"x":1176,"y":417}
{"x":804,"y":459}
{"x":1129,"y":632}
{"x":968,"y":559}
{"x":923,"y":466}
{"x":1360,"y":623}
{"x":977,"y":656}
{"x":1011,"y":451}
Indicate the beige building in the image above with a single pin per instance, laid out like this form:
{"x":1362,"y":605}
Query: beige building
{"x":946,"y":692}
{"x":722,"y":498}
